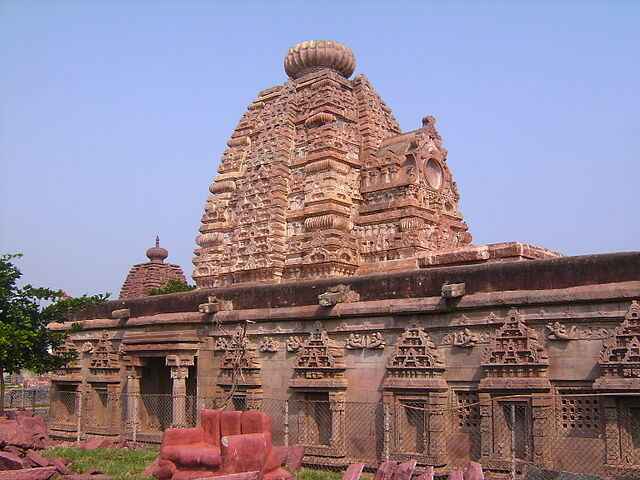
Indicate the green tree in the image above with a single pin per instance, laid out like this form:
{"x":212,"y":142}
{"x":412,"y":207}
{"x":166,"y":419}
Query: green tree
{"x":25,"y":312}
{"x":172,"y":286}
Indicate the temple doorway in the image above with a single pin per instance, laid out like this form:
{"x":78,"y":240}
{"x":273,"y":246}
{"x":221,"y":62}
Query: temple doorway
{"x":155,"y":394}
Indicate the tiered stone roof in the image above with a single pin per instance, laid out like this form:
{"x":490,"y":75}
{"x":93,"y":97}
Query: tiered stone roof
{"x":319,"y":181}
{"x":144,"y":277}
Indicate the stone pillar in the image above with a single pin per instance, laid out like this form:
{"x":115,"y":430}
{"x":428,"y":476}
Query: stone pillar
{"x":437,"y":448}
{"x":113,"y":407}
{"x":389,"y":425}
{"x":542,"y":432}
{"x":486,"y":426}
{"x":337,"y":406}
{"x":179,"y":373}
{"x":179,"y":395}
{"x":134,"y":374}
{"x":611,"y":431}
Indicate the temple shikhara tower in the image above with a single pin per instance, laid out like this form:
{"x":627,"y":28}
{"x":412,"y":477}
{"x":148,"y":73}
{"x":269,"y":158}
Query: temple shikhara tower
{"x":144,"y":277}
{"x":318,"y":180}
{"x":339,"y":292}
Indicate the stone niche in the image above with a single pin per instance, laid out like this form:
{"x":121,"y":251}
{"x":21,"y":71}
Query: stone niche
{"x":239,"y":366}
{"x":515,"y":363}
{"x":415,"y":396}
{"x":619,"y":375}
{"x":319,"y":387}
{"x":103,"y":389}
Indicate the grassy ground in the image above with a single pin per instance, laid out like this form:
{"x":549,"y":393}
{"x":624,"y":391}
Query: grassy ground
{"x":124,"y":464}
{"x":119,"y":463}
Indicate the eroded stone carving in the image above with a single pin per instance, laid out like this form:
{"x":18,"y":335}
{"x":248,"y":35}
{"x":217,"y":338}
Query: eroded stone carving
{"x":325,"y":153}
{"x":338,"y":294}
{"x":221,"y":344}
{"x":620,"y":354}
{"x":416,"y":362}
{"x":319,"y":362}
{"x":269,"y":345}
{"x":465,"y":339}
{"x":515,"y":358}
{"x":240,"y":363}
{"x":293,"y":344}
{"x":104,"y":358}
{"x":558,"y":331}
{"x":359,"y":341}
{"x":214,"y":305}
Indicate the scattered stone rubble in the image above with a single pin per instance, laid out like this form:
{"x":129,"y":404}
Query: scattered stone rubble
{"x":23,"y":435}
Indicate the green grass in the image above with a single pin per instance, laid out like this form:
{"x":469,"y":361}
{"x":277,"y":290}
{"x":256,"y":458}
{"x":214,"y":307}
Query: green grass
{"x":309,"y":474}
{"x":125,"y":464}
{"x":119,"y":463}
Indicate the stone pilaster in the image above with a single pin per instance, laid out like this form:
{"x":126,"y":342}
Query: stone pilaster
{"x":437,"y":427}
{"x":541,"y":405}
{"x":134,"y":374}
{"x":113,"y":407}
{"x":612,"y":431}
{"x":179,"y":395}
{"x":337,"y":406}
{"x":486,"y":426}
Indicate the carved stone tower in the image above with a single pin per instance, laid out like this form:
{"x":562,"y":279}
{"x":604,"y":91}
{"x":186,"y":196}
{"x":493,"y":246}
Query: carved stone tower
{"x":318,"y":180}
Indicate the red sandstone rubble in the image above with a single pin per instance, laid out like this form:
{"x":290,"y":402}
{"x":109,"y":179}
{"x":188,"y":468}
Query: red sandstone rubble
{"x":225,"y":443}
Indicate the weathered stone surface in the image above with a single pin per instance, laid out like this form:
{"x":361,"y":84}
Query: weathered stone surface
{"x":24,"y":432}
{"x":10,"y":461}
{"x":354,"y":471}
{"x":36,"y":459}
{"x":294,"y":458}
{"x":405,"y":470}
{"x":41,"y":473}
{"x":387,"y":470}
{"x":456,"y":475}
{"x":318,"y":180}
{"x":60,"y":465}
{"x":473,"y":471}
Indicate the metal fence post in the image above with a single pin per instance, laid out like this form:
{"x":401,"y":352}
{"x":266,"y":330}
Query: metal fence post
{"x":513,"y":441}
{"x":134,"y":423}
{"x":79,"y":415}
{"x":387,"y":428}
{"x":286,"y":423}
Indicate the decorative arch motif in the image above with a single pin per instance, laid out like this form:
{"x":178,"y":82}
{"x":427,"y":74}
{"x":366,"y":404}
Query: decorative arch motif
{"x":620,"y":354}
{"x":319,"y":362}
{"x":515,"y":358}
{"x":416,"y":362}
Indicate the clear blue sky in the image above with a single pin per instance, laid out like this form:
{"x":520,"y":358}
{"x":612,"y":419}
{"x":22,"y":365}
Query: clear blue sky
{"x":114,"y":114}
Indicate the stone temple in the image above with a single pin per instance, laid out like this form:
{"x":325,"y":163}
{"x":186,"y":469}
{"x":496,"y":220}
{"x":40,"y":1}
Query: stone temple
{"x":333,"y":260}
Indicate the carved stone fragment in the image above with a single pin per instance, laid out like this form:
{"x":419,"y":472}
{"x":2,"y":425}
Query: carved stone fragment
{"x":338,"y":294}
{"x":359,"y":341}
{"x":269,"y":345}
{"x":214,"y":305}
{"x":453,"y":290}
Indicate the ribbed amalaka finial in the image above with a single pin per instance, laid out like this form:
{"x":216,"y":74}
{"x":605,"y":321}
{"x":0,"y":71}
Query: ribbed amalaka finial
{"x":314,"y":55}
{"x":157,"y":254}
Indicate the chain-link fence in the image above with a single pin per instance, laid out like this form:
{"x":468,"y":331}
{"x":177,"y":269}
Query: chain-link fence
{"x":527,"y":437}
{"x":34,"y":400}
